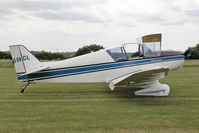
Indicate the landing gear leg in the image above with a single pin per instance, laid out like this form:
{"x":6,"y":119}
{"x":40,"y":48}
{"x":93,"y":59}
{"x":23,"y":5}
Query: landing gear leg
{"x":24,"y":87}
{"x":154,"y":89}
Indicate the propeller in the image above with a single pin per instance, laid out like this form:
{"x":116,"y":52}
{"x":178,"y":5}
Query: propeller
{"x":187,"y":54}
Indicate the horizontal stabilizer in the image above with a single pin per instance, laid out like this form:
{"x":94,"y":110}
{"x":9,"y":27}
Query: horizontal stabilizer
{"x":36,"y":70}
{"x":24,"y":61}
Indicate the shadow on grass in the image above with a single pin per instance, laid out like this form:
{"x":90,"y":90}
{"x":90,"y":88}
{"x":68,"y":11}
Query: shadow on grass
{"x":128,"y":95}
{"x":123,"y":92}
{"x":127,"y":92}
{"x":90,"y":92}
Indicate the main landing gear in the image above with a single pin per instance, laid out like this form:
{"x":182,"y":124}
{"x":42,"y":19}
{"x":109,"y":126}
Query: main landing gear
{"x":24,"y":87}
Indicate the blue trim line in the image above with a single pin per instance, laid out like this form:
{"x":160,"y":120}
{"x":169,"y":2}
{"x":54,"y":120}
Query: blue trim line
{"x":71,"y":71}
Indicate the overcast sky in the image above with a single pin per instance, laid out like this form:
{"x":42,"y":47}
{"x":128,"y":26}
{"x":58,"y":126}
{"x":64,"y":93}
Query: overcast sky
{"x":66,"y":25}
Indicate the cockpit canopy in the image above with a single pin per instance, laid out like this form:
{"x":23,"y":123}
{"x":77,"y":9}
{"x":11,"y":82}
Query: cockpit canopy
{"x":151,"y":45}
{"x":147,"y":46}
{"x":118,"y":54}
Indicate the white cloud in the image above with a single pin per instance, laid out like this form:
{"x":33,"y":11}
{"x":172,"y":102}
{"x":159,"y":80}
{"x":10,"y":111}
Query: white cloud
{"x":45,"y":24}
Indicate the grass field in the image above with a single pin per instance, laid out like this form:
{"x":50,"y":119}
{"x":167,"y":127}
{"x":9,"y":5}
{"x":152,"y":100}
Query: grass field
{"x":59,"y":108}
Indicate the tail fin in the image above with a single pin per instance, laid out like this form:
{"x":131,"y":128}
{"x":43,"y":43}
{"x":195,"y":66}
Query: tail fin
{"x":24,"y":62}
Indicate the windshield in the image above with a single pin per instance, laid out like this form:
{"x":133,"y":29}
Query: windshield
{"x":118,"y":54}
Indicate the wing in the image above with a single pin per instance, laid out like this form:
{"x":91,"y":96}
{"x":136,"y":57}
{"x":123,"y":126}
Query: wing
{"x":139,"y":79}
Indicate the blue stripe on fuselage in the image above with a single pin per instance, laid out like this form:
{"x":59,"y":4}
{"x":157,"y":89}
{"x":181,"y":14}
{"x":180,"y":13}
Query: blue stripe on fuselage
{"x":70,"y":71}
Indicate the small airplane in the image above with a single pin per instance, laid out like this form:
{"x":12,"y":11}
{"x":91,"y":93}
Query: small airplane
{"x":113,"y":66}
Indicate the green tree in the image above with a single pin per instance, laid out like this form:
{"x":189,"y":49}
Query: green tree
{"x":194,"y":51}
{"x":49,"y":56}
{"x":136,"y":54}
{"x":88,"y":49}
{"x":5,"y":55}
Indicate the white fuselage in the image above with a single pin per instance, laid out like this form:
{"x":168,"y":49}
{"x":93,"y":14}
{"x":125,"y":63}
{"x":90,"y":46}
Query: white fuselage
{"x":98,"y":67}
{"x":109,"y":74}
{"x":111,"y":65}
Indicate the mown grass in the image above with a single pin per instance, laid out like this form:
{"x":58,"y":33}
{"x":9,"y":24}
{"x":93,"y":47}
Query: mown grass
{"x":6,"y":63}
{"x":191,"y":63}
{"x":57,"y":108}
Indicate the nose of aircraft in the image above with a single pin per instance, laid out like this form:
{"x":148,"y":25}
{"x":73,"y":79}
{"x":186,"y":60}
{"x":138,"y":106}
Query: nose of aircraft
{"x":187,"y":54}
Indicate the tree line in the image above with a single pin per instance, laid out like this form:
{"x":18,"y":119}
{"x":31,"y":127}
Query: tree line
{"x":194,"y":52}
{"x":5,"y":55}
{"x":42,"y":55}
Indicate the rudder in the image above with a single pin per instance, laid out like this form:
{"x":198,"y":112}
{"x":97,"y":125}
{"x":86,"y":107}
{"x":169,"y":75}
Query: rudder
{"x":23,"y":60}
